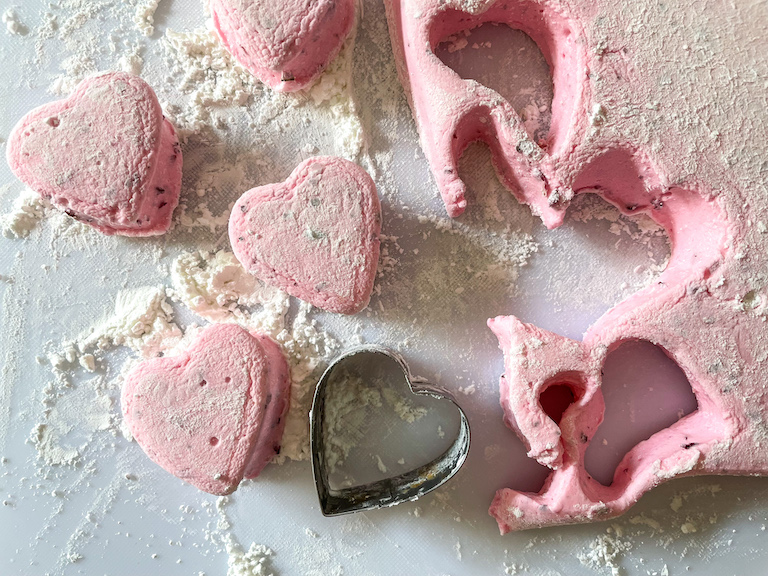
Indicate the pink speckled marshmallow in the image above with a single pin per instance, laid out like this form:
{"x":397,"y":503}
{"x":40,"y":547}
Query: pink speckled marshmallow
{"x":215,"y":413}
{"x":287,"y":44}
{"x":316,"y":235}
{"x":106,"y":156}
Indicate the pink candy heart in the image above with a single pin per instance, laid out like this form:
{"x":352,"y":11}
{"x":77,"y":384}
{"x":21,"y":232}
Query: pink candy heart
{"x":215,"y":413}
{"x":105,"y":155}
{"x":285,"y":44}
{"x":316,"y":235}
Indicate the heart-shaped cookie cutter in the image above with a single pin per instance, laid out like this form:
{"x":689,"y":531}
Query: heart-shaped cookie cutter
{"x":396,"y":489}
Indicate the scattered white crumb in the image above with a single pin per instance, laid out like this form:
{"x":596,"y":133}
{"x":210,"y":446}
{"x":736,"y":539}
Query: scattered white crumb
{"x":13,"y":25}
{"x":606,"y":551}
{"x":28,"y":209}
{"x":251,"y":563}
{"x":144,"y":17}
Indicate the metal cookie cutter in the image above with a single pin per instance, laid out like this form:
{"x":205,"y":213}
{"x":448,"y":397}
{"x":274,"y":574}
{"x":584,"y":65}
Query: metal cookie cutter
{"x":389,"y":491}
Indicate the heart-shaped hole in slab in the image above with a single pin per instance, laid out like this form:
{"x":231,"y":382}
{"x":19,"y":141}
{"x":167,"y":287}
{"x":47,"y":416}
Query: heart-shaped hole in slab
{"x":558,"y":396}
{"x":379,"y":436}
{"x":645,"y":391}
{"x":511,"y":63}
{"x":536,"y":51}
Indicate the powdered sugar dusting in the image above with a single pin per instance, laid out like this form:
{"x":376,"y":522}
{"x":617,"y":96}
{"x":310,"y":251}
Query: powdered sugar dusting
{"x":28,"y":209}
{"x":142,"y":321}
{"x":144,"y":17}
{"x":239,"y":135}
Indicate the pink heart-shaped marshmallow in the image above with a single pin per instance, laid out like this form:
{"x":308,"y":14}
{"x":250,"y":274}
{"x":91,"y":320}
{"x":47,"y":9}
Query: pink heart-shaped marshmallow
{"x":105,"y":155}
{"x":316,"y":235}
{"x":213,"y":414}
{"x":284,"y":44}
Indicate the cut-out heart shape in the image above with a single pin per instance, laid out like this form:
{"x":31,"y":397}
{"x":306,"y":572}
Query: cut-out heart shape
{"x":287,"y":45}
{"x":105,"y":155}
{"x":213,"y":414}
{"x":395,"y":489}
{"x":316,"y":235}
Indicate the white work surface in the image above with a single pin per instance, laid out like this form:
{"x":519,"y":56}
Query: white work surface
{"x":117,"y":513}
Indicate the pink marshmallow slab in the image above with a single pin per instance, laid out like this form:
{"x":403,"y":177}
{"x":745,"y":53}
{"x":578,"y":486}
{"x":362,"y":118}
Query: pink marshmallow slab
{"x":213,"y":414}
{"x":288,"y":44}
{"x":316,"y":235}
{"x":105,"y":155}
{"x":706,"y":311}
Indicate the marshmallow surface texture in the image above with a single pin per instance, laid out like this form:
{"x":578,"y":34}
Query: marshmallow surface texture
{"x":105,"y":155}
{"x":287,"y":44}
{"x":706,"y":311}
{"x":215,"y":413}
{"x":315,"y":236}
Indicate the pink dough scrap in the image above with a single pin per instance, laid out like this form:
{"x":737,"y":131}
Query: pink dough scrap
{"x":105,"y":155}
{"x":215,"y":413}
{"x":316,"y":235}
{"x":288,"y":44}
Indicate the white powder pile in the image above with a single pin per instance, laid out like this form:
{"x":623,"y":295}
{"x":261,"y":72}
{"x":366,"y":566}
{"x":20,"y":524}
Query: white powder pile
{"x":208,"y":74}
{"x":12,"y":23}
{"x":254,"y":562}
{"x":216,"y":287}
{"x":142,"y":321}
{"x":28,"y":209}
{"x":131,"y":61}
{"x":144,"y":17}
{"x":606,"y":551}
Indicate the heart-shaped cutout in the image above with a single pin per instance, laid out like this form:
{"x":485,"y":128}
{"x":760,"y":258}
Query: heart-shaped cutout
{"x":479,"y":53}
{"x":213,"y":414}
{"x":388,"y":491}
{"x":287,"y":45}
{"x":105,"y":155}
{"x":316,"y":235}
{"x":452,"y":112}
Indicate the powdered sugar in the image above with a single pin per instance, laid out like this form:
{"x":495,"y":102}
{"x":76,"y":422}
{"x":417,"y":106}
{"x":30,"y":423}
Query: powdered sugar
{"x":144,"y":17}
{"x":13,"y":24}
{"x":606,"y":551}
{"x":142,"y":321}
{"x":243,"y":136}
{"x":28,"y":209}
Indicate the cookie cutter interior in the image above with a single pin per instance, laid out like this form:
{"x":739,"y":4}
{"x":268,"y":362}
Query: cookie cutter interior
{"x":395,"y":489}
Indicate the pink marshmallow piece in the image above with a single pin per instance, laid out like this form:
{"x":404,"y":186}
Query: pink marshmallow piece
{"x":106,"y":156}
{"x":215,"y":413}
{"x":316,"y":235}
{"x":287,"y":45}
